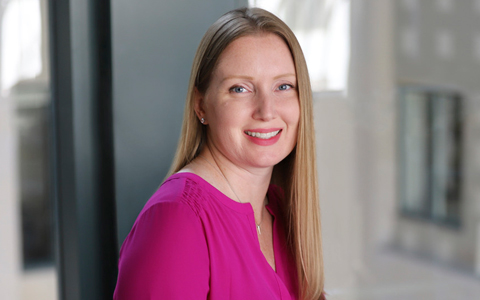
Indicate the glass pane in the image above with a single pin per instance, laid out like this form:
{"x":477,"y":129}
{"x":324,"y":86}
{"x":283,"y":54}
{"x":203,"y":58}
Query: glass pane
{"x":25,"y":97}
{"x":431,"y":153}
{"x":415,"y":153}
{"x":446,"y":158}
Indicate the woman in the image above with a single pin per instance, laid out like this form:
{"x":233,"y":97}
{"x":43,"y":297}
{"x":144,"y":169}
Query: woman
{"x":238,"y":216}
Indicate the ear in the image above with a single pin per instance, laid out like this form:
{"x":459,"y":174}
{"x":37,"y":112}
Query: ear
{"x":199,"y":105}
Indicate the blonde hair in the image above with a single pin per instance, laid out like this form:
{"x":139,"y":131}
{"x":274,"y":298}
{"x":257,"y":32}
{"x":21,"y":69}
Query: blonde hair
{"x":297,"y":173}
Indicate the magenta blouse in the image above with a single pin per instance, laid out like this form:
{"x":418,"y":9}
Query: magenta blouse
{"x":190,"y":241}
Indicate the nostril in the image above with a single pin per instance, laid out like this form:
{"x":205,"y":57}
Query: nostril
{"x":265,"y":109}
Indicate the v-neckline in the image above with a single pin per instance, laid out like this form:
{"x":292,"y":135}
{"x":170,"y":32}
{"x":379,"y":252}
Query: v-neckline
{"x":247,"y":208}
{"x":274,"y":240}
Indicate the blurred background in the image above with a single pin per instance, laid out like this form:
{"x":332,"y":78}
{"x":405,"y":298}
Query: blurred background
{"x":91,"y":101}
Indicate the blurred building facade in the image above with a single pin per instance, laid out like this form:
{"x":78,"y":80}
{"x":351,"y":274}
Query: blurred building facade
{"x":374,"y":248}
{"x":397,"y":44}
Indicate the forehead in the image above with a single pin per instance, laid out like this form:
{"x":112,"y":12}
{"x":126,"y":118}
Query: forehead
{"x":260,"y":54}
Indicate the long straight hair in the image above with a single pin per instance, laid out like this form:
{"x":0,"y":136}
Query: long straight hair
{"x":297,"y":173}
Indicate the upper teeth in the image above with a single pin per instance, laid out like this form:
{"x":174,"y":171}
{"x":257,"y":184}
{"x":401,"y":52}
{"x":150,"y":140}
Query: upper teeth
{"x":262,"y":135}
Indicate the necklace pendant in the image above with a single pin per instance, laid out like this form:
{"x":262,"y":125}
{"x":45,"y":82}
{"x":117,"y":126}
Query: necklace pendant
{"x":258,"y":229}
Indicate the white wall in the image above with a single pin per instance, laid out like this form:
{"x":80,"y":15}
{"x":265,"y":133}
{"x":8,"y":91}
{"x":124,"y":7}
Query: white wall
{"x":10,"y":250}
{"x":356,"y":150}
{"x":341,"y":212}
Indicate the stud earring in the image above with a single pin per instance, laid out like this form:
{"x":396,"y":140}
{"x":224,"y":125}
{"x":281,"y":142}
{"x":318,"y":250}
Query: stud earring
{"x":202,"y":120}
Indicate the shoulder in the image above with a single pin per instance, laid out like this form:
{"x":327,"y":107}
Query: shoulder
{"x":179,"y":190}
{"x":166,"y":250}
{"x":175,"y":210}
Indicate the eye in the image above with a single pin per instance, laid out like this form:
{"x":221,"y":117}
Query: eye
{"x":285,"y":87}
{"x":238,"y":89}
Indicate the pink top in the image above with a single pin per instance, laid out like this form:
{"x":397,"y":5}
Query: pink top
{"x":192,"y":242}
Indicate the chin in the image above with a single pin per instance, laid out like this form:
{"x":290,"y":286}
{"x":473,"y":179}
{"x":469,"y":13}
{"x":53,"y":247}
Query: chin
{"x":269,"y":160}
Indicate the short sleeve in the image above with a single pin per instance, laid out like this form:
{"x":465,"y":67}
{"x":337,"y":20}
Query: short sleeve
{"x":165,"y":256}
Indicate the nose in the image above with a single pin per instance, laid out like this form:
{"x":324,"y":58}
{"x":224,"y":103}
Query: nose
{"x":265,"y":109}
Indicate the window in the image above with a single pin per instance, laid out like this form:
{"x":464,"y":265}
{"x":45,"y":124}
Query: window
{"x":430,"y":154}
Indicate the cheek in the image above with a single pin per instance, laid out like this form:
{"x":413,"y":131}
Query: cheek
{"x":230,"y":112}
{"x":292,"y":114}
{"x":226,"y":119}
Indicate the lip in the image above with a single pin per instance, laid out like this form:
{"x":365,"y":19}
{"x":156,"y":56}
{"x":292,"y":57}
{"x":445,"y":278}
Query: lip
{"x":263,"y":130}
{"x":264,"y":142}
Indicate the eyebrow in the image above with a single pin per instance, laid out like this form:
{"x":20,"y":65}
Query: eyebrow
{"x":237,"y":76}
{"x":285,"y":75}
{"x":251,"y":78}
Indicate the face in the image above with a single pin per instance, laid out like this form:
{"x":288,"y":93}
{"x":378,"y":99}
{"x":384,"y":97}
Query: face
{"x":251,"y":106}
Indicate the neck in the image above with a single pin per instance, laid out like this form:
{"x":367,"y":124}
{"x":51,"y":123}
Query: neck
{"x":241,"y":184}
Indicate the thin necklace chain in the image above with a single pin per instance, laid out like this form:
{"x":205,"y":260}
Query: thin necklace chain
{"x":238,"y":198}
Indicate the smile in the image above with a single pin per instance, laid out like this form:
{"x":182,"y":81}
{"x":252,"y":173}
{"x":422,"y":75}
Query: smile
{"x":262,"y":135}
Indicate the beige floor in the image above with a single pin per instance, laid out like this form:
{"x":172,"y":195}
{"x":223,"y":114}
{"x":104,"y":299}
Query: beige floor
{"x":39,"y":284}
{"x":392,"y":276}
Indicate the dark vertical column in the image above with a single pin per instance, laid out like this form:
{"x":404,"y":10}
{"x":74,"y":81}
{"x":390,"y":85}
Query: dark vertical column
{"x":427,"y":210}
{"x":83,"y":156}
{"x":64,"y":180}
{"x":104,"y":123}
{"x":456,"y":198}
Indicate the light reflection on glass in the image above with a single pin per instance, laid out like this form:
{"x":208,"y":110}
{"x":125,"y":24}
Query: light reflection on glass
{"x":323,"y":31}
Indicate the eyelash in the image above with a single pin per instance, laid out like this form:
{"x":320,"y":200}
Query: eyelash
{"x":232,"y":89}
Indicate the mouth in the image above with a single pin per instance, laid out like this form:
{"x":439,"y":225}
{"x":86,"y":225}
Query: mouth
{"x":263,"y":135}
